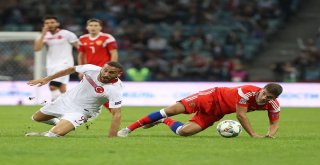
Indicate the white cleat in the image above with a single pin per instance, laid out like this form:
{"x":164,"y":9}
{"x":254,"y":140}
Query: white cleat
{"x":123,"y":132}
{"x":152,"y":124}
{"x":35,"y":134}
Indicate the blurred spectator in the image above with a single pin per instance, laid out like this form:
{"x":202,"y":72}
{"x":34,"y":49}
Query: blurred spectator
{"x":137,"y":72}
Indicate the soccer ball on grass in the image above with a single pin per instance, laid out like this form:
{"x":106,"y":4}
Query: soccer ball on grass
{"x":229,"y":128}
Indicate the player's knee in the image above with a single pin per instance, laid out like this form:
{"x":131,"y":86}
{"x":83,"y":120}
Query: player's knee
{"x":35,"y":118}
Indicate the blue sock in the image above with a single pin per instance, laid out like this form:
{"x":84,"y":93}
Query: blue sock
{"x":155,"y":116}
{"x":175,"y":126}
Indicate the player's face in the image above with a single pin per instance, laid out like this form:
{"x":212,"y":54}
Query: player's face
{"x":109,"y":73}
{"x":52,"y":24}
{"x":264,"y":96}
{"x":94,"y":28}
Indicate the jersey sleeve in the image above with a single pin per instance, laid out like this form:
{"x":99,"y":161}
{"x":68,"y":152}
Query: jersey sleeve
{"x":110,"y":43}
{"x":242,"y":98}
{"x":115,"y":98}
{"x":72,"y":38}
{"x":81,"y":46}
{"x":273,"y":110}
{"x":87,"y":67}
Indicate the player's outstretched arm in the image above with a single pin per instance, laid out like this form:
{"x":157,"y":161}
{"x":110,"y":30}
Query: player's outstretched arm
{"x":274,"y":125}
{"x":244,"y":120}
{"x":115,"y":123}
{"x":45,"y":80}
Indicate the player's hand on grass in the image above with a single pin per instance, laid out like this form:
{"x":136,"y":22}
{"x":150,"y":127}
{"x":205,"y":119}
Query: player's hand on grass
{"x":38,"y":82}
{"x":269,"y":136}
{"x":257,"y":136}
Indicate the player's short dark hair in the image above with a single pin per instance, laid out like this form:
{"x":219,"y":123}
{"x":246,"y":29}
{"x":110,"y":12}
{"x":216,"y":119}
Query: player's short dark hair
{"x":55,"y":83}
{"x":274,"y":88}
{"x":115,"y":64}
{"x":94,"y":20}
{"x":50,"y":17}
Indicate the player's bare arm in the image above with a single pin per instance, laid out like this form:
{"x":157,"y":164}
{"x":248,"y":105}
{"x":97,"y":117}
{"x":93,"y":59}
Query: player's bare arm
{"x":81,"y":58}
{"x":274,"y":125}
{"x":114,"y":55}
{"x":115,"y":123}
{"x":244,"y":120}
{"x":45,"y":80}
{"x":75,"y":44}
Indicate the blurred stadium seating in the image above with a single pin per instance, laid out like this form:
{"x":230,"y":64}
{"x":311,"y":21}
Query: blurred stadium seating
{"x":193,"y":38}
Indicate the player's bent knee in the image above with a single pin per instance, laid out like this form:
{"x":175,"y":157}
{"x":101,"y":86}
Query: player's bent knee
{"x":63,"y":127}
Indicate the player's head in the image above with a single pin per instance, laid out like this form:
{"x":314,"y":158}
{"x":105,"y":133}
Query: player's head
{"x":110,"y":71}
{"x":94,"y":26}
{"x":51,"y":22}
{"x":269,"y":92}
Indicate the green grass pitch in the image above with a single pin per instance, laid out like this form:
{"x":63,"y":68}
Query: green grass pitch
{"x":297,"y":142}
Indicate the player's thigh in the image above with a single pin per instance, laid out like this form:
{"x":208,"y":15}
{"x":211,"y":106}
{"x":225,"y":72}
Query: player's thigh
{"x":39,"y":116}
{"x":63,"y":127}
{"x":190,"y":128}
{"x":175,"y":109}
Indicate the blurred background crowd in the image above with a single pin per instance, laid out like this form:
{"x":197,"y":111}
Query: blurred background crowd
{"x":165,"y":40}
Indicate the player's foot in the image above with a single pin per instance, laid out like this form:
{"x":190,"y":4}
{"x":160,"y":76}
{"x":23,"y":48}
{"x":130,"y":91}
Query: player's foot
{"x":35,"y":134}
{"x":123,"y":132}
{"x":152,"y":124}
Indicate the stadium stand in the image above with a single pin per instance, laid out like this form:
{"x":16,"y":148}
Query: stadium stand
{"x":183,"y":40}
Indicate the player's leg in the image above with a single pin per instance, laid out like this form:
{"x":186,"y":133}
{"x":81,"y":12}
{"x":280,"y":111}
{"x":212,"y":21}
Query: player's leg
{"x":187,"y":129}
{"x":175,"y":109}
{"x":44,"y":118}
{"x":61,"y":129}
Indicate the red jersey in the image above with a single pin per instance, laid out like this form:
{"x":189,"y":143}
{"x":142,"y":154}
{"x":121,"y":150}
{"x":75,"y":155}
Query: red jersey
{"x":244,"y":96}
{"x":97,"y":50}
{"x":212,"y":104}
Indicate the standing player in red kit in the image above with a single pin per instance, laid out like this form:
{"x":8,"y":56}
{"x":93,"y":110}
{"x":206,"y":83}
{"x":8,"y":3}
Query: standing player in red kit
{"x":97,"y":48}
{"x":212,"y":104}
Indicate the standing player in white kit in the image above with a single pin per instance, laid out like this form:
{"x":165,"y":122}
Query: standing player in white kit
{"x":59,"y":44}
{"x":98,"y":86}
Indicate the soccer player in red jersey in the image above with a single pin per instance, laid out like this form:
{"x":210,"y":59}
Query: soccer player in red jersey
{"x":212,"y":104}
{"x":96,"y":47}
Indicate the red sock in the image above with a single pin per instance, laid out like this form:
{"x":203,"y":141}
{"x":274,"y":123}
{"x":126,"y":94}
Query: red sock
{"x":169,"y":121}
{"x":144,"y":120}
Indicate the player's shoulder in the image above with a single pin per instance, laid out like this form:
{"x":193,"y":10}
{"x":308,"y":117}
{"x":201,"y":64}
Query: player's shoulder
{"x":84,"y":37}
{"x":249,"y":88}
{"x":274,"y":105}
{"x":106,"y":35}
{"x":65,"y":31}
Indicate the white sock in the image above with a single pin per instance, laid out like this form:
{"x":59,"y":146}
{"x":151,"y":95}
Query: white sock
{"x":163,"y":113}
{"x":178,"y":129}
{"x":51,"y":134}
{"x":55,"y":94}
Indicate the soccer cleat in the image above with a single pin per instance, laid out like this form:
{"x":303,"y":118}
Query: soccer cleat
{"x":123,"y":132}
{"x":35,"y":134}
{"x":152,"y":124}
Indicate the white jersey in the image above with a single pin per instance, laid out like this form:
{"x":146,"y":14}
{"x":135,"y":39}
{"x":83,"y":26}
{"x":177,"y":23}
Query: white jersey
{"x":90,"y":93}
{"x":60,"y":48}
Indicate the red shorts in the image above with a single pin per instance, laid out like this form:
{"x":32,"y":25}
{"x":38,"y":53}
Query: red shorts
{"x":203,"y":104}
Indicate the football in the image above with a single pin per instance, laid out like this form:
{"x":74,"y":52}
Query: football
{"x":229,"y":128}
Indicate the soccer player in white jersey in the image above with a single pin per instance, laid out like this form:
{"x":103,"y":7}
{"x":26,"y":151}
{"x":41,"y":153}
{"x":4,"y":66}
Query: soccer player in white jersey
{"x":98,"y":86}
{"x":59,"y":44}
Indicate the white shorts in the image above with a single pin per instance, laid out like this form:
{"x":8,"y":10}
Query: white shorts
{"x":53,"y":70}
{"x":59,"y":109}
